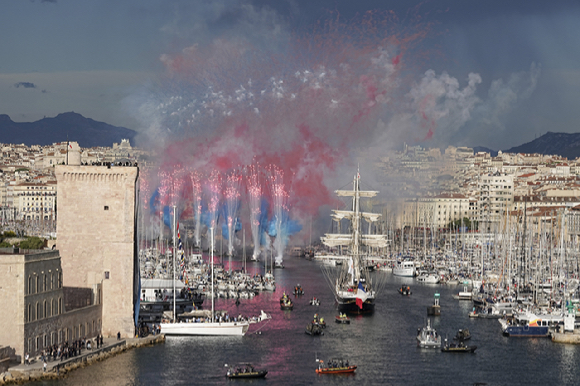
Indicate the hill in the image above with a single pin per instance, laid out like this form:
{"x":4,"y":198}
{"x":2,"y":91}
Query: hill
{"x":71,"y":126}
{"x":563,"y":144}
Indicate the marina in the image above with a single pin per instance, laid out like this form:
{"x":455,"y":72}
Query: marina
{"x":370,"y":342}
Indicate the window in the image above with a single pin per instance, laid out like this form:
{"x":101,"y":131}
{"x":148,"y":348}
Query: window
{"x":30,"y":312}
{"x":37,"y":284}
{"x":45,"y":310}
{"x":59,"y":306}
{"x":38,"y":315}
{"x":106,"y":207}
{"x":29,"y":285}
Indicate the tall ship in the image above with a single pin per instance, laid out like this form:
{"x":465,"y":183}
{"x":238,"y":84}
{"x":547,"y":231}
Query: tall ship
{"x":352,"y":284}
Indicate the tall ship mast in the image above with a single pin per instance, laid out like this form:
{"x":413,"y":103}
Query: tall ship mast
{"x":352,"y":285}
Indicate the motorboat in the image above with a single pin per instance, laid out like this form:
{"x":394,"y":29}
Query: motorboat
{"x":428,"y":278}
{"x":314,"y":328}
{"x":427,"y":337}
{"x":298,"y":290}
{"x":529,"y":324}
{"x":314,"y":302}
{"x":245,"y":371}
{"x":342,"y":318}
{"x":335,"y":366}
{"x":458,"y":347}
{"x":405,"y":290}
{"x":462,"y":334}
{"x":405,"y":268}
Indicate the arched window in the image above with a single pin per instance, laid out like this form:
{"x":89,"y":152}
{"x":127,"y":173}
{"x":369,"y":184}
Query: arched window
{"x":54,"y":310}
{"x":29,"y":312}
{"x":44,"y":285}
{"x":38,"y":315}
{"x":51,"y":280}
{"x":59,"y":306}
{"x":46,"y":310}
{"x":29,"y":285}
{"x":60,"y":280}
{"x":37,"y":284}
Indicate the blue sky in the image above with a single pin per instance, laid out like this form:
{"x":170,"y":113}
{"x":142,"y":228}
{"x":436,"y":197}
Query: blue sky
{"x":97,"y":57}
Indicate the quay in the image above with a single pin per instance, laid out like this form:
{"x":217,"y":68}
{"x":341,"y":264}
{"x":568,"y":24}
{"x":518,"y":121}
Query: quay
{"x":56,"y":369}
{"x":566,"y":337}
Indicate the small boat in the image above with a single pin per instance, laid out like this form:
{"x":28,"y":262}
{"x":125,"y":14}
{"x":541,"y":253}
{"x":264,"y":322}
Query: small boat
{"x":457,"y":347}
{"x":428,"y":278}
{"x":278,"y":264}
{"x":435,"y":309}
{"x":245,"y":370}
{"x":314,"y":302}
{"x":335,"y":366}
{"x":342,"y":318}
{"x":287,"y":305}
{"x":405,"y":290}
{"x":314,"y":328}
{"x":462,"y":334}
{"x":427,"y":337}
{"x":298,"y":290}
{"x":319,"y":320}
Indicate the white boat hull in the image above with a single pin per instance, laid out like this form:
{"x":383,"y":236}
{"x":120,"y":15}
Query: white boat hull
{"x":405,"y":272}
{"x":206,"y":329}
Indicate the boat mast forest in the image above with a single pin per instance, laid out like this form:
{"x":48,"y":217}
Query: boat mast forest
{"x":352,"y":284}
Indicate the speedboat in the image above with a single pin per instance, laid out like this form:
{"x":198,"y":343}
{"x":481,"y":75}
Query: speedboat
{"x":314,"y":302}
{"x":245,"y":370}
{"x":335,"y":366}
{"x":427,"y":337}
{"x":342,"y":318}
{"x":405,"y":290}
{"x":298,"y":290}
{"x":286,"y":305}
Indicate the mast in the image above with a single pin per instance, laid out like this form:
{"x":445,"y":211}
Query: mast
{"x":356,"y":228}
{"x":174,"y":253}
{"x":211,"y":257}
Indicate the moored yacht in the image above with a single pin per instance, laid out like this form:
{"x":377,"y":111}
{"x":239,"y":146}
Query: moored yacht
{"x":405,"y":268}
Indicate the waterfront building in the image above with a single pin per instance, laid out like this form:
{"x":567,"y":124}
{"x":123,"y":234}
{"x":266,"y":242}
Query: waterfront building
{"x":37,"y":311}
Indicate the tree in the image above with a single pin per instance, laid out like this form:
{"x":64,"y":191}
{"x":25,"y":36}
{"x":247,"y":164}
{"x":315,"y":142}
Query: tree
{"x":463,"y":223}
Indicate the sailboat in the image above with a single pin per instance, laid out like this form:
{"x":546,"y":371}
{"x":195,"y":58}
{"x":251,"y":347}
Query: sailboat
{"x":211,"y":327}
{"x":352,"y":285}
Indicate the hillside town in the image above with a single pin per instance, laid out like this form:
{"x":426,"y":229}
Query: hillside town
{"x":428,"y":188}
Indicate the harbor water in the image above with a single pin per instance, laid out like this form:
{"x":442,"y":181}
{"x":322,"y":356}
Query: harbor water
{"x":383,"y":345}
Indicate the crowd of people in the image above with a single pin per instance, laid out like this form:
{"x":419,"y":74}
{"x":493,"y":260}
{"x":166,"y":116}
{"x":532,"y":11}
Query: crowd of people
{"x":67,"y":350}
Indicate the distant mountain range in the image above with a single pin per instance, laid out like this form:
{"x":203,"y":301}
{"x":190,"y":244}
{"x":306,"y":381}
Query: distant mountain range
{"x":71,"y":126}
{"x":563,"y":144}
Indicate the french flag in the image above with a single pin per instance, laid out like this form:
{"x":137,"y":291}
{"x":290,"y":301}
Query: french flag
{"x":361,"y":295}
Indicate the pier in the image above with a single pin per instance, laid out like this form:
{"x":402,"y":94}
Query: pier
{"x":56,"y":369}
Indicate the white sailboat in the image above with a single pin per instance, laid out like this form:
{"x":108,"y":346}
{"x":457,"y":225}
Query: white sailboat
{"x":195,"y":326}
{"x":352,"y":285}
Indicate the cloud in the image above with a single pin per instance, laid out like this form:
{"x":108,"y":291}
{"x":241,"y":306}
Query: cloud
{"x":25,"y":85}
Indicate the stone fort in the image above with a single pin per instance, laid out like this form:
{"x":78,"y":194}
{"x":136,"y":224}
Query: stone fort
{"x":97,"y":237}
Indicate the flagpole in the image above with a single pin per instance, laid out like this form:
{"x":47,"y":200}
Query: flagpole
{"x":174,"y":253}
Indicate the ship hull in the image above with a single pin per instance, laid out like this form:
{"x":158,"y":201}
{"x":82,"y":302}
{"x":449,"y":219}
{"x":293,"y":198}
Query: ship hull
{"x":349,"y":306}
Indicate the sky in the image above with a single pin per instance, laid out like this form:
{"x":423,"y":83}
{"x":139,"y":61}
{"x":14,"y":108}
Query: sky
{"x":465,"y":73}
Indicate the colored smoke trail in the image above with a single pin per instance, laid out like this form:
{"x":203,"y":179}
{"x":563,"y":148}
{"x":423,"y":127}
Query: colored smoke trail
{"x":254,"y":188}
{"x":232,"y":197}
{"x":196,"y":191}
{"x":214,"y":186}
{"x":280,"y":210}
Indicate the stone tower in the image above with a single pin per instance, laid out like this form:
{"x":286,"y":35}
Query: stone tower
{"x":96,"y":237}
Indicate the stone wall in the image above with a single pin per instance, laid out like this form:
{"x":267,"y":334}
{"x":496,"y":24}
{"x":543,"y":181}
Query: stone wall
{"x":96,"y":237}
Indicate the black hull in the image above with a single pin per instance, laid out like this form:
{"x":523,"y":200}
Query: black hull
{"x":350,"y":307}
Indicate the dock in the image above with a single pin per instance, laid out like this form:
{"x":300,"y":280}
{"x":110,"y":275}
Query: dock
{"x":55,"y":369}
